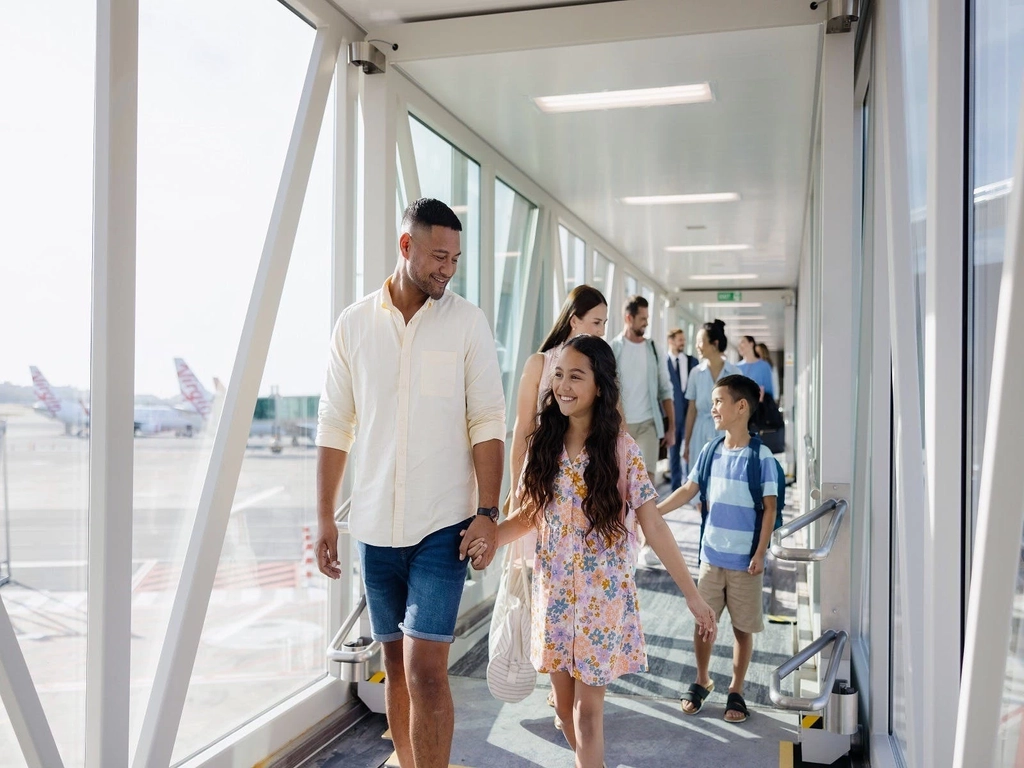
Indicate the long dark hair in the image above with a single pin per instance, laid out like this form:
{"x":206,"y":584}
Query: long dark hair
{"x":580,"y":300}
{"x":602,"y":504}
{"x":715,"y":332}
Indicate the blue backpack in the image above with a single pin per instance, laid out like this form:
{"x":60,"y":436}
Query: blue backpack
{"x":754,"y":481}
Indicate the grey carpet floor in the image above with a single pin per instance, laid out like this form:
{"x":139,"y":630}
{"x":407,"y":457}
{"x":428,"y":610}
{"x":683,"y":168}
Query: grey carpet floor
{"x":644,"y":725}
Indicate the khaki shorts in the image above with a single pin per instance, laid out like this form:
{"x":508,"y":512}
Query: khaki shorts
{"x":738,"y":591}
{"x":646,"y":436}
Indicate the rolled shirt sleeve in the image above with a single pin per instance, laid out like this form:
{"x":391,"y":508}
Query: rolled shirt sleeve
{"x":485,"y":399}
{"x":336,"y":415}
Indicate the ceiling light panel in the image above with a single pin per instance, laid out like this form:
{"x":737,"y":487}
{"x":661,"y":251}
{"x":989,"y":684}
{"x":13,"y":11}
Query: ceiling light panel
{"x":707,"y":248}
{"x":711,"y":197}
{"x":642,"y":97}
{"x":738,"y":276}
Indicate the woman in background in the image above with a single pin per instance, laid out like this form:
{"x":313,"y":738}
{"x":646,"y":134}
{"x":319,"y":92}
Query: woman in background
{"x":700,"y":427}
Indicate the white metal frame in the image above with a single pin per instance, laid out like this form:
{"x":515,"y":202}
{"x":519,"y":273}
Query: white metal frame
{"x":174,"y":668}
{"x":910,"y":508}
{"x":111,"y":442}
{"x":1000,"y":509}
{"x":600,"y":23}
{"x":20,"y":699}
{"x":944,"y":350}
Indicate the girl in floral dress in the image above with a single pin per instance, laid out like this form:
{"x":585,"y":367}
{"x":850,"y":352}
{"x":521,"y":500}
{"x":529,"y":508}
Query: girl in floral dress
{"x":586,"y":617}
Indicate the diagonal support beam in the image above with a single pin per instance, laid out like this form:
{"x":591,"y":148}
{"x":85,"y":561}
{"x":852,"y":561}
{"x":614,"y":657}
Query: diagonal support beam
{"x":174,"y":669}
{"x":994,"y":570}
{"x":21,"y":701}
{"x":609,"y":22}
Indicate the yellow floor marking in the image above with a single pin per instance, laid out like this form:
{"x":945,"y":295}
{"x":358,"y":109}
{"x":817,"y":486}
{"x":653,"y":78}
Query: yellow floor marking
{"x":785,"y":754}
{"x":378,"y":677}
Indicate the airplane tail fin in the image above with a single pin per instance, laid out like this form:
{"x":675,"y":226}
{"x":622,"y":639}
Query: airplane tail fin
{"x":44,"y":392}
{"x":194,"y":392}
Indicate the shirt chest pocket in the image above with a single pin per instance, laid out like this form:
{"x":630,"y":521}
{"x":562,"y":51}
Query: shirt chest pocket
{"x":437,"y":374}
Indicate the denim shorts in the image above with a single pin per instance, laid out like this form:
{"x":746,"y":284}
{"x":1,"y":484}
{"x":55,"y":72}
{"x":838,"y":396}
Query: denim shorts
{"x":415,"y":590}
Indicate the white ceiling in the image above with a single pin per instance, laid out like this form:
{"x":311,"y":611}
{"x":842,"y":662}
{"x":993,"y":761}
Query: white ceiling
{"x":753,"y":139}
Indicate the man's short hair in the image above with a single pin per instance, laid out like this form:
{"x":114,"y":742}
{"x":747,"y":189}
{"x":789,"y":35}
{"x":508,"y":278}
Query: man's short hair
{"x":673,"y":332}
{"x":742,"y":388}
{"x":428,"y":212}
{"x":634,"y":304}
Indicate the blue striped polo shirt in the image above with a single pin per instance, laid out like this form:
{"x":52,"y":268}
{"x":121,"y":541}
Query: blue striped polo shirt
{"x":729,"y":530}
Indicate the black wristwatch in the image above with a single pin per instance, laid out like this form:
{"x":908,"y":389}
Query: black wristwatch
{"x":491,"y":512}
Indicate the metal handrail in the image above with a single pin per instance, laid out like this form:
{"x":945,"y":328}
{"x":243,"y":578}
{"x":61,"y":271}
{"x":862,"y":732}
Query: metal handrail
{"x":342,"y":512}
{"x":334,"y":652}
{"x":811,"y":555}
{"x":795,"y":703}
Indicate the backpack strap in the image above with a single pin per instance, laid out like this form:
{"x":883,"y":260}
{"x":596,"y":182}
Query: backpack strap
{"x":756,"y":489}
{"x":707,"y":456}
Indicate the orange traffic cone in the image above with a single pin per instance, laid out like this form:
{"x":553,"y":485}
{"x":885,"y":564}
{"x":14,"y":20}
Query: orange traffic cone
{"x":307,"y":557}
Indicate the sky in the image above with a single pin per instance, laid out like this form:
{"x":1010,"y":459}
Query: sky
{"x":219,"y":88}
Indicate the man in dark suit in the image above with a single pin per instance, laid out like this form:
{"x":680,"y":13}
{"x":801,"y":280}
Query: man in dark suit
{"x":679,"y":366}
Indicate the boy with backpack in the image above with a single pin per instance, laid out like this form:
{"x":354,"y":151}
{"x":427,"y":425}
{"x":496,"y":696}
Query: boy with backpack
{"x":740,"y":483}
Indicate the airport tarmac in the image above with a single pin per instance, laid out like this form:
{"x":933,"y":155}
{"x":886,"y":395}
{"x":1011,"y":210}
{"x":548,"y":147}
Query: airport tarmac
{"x":265,"y":632}
{"x":264,"y":636}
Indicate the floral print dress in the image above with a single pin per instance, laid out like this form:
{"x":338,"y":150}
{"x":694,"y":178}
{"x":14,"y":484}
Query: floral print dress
{"x":586,"y":615}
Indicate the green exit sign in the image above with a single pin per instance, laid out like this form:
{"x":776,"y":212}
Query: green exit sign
{"x":730,"y":295}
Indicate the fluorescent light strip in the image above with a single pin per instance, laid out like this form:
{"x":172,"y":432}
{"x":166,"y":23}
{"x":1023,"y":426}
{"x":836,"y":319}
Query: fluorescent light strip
{"x":742,"y":318}
{"x":733,"y":304}
{"x":711,"y":197}
{"x":642,"y":97}
{"x":742,"y":276}
{"x":706,"y":248}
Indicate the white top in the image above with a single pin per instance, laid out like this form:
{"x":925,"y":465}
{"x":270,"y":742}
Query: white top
{"x":410,"y":402}
{"x":636,"y":398}
{"x":683,"y":366}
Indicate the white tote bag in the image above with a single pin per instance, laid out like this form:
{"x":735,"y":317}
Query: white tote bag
{"x":510,"y":673}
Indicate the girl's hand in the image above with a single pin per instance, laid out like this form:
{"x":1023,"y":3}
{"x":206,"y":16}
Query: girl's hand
{"x":705,"y":617}
{"x":475,"y":551}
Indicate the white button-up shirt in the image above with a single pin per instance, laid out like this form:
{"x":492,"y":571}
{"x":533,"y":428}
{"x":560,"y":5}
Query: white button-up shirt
{"x":409,"y":402}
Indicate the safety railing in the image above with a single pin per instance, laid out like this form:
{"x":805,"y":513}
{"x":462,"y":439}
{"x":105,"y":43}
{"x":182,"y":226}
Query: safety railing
{"x":839,"y":508}
{"x":796,"y":703}
{"x":335,"y":651}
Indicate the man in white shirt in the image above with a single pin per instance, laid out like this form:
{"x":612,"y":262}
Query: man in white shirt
{"x":413,"y":390}
{"x":646,"y":391}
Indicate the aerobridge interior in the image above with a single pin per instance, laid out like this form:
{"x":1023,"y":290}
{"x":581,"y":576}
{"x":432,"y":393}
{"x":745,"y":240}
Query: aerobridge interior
{"x":840,"y":181}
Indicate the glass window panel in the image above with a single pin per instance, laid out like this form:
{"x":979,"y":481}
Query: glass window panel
{"x":603,"y":272}
{"x":630,"y":287}
{"x":515,"y":220}
{"x":574,"y":260}
{"x":998,"y":72}
{"x":267,"y":626}
{"x":219,"y":86}
{"x":914,"y":27}
{"x":448,"y":175}
{"x":47,"y":55}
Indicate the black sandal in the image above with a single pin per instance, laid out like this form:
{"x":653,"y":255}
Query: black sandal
{"x":734,"y":703}
{"x":695,"y":695}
